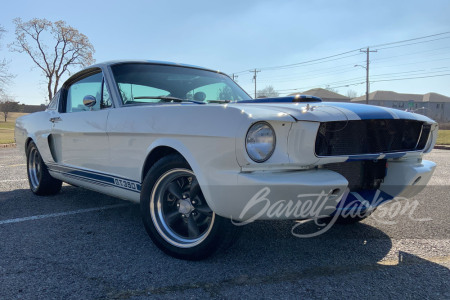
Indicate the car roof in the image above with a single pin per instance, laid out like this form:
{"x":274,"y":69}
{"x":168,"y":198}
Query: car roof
{"x":155,"y":62}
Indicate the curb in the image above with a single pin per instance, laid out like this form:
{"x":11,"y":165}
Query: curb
{"x":13,"y":145}
{"x":442,"y":147}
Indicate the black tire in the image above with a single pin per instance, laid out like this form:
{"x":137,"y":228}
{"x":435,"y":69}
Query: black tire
{"x":176,"y":215}
{"x":40,"y":180}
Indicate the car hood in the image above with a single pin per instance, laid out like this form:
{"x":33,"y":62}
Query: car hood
{"x":330,"y":111}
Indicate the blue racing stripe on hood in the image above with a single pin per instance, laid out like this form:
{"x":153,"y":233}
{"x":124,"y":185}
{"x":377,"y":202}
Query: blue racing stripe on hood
{"x":364,"y":111}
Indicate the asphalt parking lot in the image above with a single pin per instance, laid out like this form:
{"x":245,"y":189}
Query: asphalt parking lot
{"x":83,"y":245}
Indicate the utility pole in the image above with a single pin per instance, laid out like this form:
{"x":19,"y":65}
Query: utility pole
{"x":254,"y":78}
{"x":367,"y":51}
{"x":234,"y":77}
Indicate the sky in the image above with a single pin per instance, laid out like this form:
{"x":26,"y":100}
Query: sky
{"x":238,"y":36}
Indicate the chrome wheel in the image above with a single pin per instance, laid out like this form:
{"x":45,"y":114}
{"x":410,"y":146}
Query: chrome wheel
{"x":178,"y":209}
{"x":41,"y":182}
{"x":34,"y":168}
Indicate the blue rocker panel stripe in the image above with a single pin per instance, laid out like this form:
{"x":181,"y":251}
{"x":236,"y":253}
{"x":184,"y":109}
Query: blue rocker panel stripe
{"x":96,"y":177}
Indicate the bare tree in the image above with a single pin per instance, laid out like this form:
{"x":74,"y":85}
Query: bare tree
{"x":7,"y":106}
{"x":267,"y":92}
{"x":69,"y":48}
{"x":331,"y":89}
{"x":5,"y":76}
{"x":352,"y":94}
{"x":225,"y":93}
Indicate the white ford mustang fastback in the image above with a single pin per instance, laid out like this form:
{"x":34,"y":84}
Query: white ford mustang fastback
{"x":196,"y":151}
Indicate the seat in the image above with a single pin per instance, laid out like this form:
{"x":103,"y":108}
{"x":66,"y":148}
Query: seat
{"x":200,"y":96}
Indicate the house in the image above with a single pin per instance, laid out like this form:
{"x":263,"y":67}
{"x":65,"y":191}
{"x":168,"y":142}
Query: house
{"x":325,"y":95}
{"x":433,"y":105}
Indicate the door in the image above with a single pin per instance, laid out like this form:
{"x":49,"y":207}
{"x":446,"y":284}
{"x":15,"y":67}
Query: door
{"x":79,"y":138}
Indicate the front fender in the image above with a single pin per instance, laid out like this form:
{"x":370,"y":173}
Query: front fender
{"x":205,"y":160}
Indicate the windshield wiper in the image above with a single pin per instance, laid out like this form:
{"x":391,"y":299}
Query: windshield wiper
{"x":218,"y":101}
{"x":168,"y":99}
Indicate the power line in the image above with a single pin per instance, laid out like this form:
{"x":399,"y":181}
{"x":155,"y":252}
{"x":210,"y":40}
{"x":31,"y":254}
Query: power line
{"x":346,"y":52}
{"x":409,"y":72}
{"x":413,"y":63}
{"x":313,"y":61}
{"x":358,"y":81}
{"x":407,"y":78}
{"x":367,"y":51}
{"x":307,"y":74}
{"x":254,"y":78}
{"x":330,"y":71}
{"x":422,"y":42}
{"x":414,"y":53}
{"x":409,"y":40}
{"x":308,"y":62}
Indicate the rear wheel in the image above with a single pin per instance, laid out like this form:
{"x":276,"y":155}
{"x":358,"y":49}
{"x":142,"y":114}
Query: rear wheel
{"x":176,"y":214}
{"x":40,"y":180}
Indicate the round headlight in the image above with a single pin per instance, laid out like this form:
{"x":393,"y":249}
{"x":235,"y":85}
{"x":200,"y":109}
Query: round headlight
{"x":260,"y":141}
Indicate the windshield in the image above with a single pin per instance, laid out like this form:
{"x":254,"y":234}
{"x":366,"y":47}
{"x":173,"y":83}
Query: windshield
{"x":151,"y":83}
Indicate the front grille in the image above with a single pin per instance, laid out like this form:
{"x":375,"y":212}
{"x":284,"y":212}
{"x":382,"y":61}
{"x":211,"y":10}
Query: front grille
{"x":370,"y":137}
{"x":361,"y":175}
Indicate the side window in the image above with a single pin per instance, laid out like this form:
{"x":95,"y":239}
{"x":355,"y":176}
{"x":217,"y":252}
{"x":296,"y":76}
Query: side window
{"x":91,"y":85}
{"x":106,"y":98}
{"x":53,"y":105}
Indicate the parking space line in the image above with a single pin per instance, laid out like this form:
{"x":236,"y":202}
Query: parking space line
{"x":437,"y":260}
{"x":18,"y":165}
{"x":74,"y":212}
{"x":13,"y":180}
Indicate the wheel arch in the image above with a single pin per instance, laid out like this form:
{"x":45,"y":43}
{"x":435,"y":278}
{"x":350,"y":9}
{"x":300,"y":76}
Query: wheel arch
{"x":164,"y":147}
{"x":27,"y":143}
{"x":156,"y":154}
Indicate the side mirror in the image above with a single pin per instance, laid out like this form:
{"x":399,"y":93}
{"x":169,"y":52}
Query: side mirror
{"x":89,"y":101}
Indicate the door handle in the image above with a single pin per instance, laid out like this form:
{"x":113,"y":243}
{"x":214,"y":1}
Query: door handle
{"x":55,"y":119}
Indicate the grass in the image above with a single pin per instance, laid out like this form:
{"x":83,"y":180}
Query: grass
{"x":7,"y":128}
{"x":7,"y":131}
{"x":443,"y":137}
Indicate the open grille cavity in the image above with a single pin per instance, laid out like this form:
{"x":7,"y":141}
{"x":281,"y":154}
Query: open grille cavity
{"x":370,"y":137}
{"x":361,"y":175}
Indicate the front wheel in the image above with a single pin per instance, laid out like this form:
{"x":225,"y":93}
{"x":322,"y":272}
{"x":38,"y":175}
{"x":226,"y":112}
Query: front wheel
{"x":176,"y":214}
